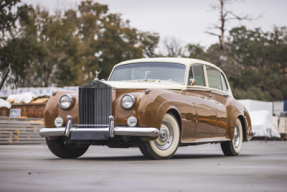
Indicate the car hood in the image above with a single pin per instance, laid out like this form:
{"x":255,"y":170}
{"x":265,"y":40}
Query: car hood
{"x":144,"y":85}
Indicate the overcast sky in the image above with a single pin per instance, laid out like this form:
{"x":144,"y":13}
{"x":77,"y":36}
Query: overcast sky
{"x":186,"y":20}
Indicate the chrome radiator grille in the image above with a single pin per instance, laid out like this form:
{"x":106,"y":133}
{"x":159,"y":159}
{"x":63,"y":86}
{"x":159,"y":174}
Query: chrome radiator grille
{"x":95,"y":106}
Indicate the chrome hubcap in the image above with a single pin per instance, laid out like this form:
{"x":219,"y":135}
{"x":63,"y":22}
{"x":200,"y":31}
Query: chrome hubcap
{"x":165,"y":137}
{"x":236,"y":136}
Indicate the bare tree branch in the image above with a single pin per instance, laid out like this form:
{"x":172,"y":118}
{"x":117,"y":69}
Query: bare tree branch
{"x":210,"y":33}
{"x":225,"y":16}
{"x":173,"y":47}
{"x":246,"y":17}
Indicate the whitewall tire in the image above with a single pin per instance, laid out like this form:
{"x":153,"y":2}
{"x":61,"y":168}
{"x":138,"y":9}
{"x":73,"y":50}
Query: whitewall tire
{"x":166,"y":144}
{"x":233,"y":147}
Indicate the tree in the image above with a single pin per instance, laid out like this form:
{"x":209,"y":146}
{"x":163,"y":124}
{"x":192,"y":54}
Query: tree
{"x":149,"y":42}
{"x":173,"y":47}
{"x":66,"y":50}
{"x":263,"y":63}
{"x":224,"y":16}
{"x":20,"y":52}
{"x":110,"y":39}
{"x":196,"y":52}
{"x":8,"y":18}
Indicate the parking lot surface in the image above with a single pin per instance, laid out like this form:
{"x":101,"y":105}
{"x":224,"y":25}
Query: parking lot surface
{"x":261,"y":166}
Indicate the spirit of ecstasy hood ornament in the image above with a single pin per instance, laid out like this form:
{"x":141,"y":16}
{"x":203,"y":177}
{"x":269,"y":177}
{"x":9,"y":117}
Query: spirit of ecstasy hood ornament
{"x":97,"y":74}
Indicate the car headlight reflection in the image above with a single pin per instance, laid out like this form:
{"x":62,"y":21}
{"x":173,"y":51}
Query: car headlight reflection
{"x":59,"y":122}
{"x":128,"y":101}
{"x":132,"y":121}
{"x":65,"y":101}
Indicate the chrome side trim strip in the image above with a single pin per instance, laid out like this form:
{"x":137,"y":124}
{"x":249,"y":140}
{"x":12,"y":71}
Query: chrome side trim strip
{"x":206,"y":140}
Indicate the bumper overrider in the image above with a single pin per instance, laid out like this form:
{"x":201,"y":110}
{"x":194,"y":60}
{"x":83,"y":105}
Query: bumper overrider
{"x":97,"y":132}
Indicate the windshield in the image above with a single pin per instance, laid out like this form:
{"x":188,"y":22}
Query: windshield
{"x":149,"y":71}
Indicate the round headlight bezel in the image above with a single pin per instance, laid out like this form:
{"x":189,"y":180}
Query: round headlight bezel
{"x":70,"y":99}
{"x":132,"y":103}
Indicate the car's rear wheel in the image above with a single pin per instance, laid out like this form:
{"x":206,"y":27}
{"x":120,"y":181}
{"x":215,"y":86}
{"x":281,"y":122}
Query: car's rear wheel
{"x":166,"y":144}
{"x":58,"y":148}
{"x":233,"y":147}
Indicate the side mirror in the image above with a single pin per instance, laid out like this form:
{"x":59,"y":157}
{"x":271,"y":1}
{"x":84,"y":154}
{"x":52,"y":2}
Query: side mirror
{"x":192,"y":81}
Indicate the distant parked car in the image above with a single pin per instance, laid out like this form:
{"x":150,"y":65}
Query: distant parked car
{"x":156,"y":104}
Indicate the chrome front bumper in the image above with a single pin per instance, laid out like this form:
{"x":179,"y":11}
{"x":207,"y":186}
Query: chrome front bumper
{"x":74,"y":131}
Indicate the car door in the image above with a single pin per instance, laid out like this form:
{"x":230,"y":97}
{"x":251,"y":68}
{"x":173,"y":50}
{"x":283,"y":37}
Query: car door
{"x":205,"y":107}
{"x":219,"y":92}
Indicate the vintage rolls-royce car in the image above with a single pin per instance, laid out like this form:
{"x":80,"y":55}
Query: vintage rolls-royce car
{"x":156,"y":104}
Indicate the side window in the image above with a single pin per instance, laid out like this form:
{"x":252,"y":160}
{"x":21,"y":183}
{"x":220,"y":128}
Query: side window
{"x":214,"y":78}
{"x":198,"y":74}
{"x":224,"y":84}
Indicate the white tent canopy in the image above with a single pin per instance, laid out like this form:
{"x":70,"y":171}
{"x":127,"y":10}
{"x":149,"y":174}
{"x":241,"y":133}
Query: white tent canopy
{"x":260,"y":114}
{"x":4,"y":103}
{"x":26,"y":97}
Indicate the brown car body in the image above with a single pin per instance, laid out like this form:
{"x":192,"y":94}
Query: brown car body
{"x":203,"y":114}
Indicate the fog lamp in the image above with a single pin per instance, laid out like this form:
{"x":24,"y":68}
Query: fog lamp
{"x":59,"y":122}
{"x":132,"y":121}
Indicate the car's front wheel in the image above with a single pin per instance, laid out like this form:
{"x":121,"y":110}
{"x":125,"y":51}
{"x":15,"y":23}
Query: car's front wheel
{"x":58,"y":148}
{"x":166,"y":144}
{"x":233,"y":147}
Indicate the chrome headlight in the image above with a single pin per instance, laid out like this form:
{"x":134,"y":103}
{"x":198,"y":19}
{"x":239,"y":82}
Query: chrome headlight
{"x":128,"y":101}
{"x":65,"y":101}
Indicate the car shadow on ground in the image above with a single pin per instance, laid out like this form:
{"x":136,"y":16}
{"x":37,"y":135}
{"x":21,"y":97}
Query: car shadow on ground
{"x":135,"y":158}
{"x":142,"y":158}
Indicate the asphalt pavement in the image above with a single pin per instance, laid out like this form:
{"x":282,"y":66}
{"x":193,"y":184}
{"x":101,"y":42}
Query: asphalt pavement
{"x":261,"y":166}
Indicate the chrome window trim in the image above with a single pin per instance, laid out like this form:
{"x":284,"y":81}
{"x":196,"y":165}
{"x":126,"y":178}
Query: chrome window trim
{"x":225,"y":94}
{"x":195,"y":89}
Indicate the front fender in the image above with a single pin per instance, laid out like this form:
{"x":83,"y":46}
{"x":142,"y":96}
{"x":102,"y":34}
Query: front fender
{"x":150,"y":108}
{"x":53,"y":109}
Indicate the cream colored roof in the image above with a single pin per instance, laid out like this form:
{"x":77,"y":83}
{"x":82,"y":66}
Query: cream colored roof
{"x":162,"y":84}
{"x":185,"y":61}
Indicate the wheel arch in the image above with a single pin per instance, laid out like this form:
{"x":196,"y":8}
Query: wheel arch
{"x":242,"y":120}
{"x":176,"y":114}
